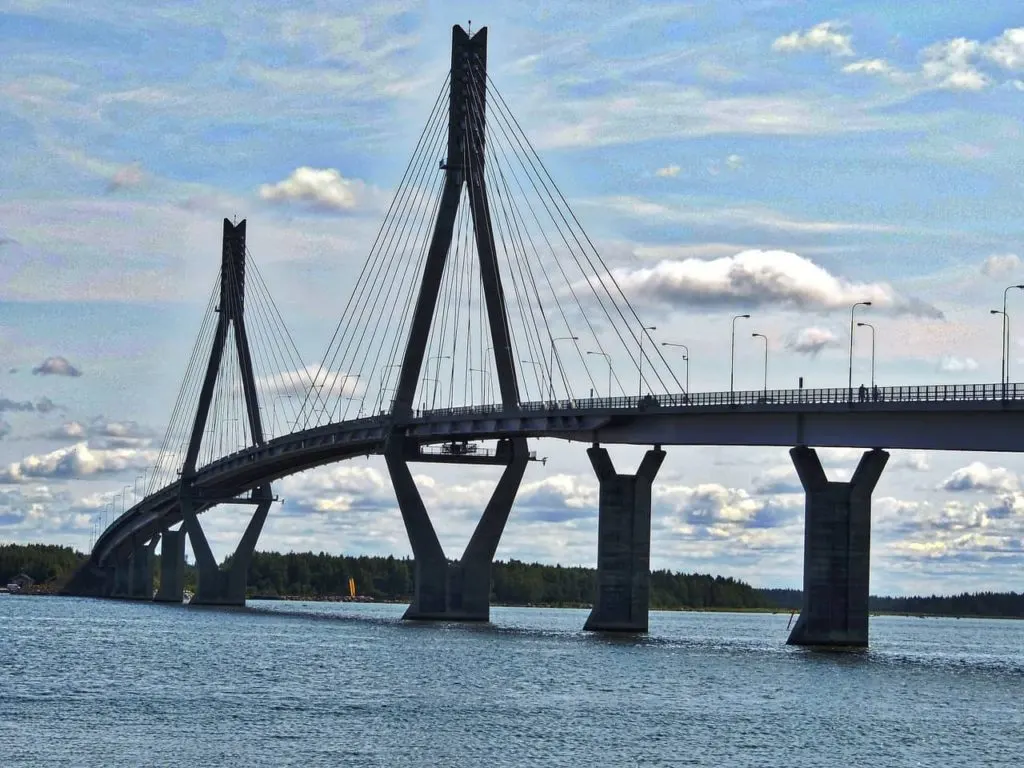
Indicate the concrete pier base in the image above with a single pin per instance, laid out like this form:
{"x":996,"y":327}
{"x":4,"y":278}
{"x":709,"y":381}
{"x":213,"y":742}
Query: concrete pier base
{"x":623,"y":544}
{"x":172,"y":568}
{"x":224,"y":586}
{"x":461,"y":591}
{"x":141,"y":572}
{"x":837,"y":551}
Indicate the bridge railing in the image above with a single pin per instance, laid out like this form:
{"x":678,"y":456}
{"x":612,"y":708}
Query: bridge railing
{"x":929,"y":393}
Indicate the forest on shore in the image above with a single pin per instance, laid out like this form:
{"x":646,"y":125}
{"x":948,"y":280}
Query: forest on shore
{"x":318,"y":576}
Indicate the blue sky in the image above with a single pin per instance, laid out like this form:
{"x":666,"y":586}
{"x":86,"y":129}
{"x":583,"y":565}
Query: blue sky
{"x":773,"y":158}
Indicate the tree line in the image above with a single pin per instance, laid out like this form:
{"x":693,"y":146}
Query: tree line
{"x":309,"y":575}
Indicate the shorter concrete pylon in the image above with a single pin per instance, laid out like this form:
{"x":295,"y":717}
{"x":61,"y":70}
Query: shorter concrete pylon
{"x":837,"y":551}
{"x":140,"y":585}
{"x":172,"y":567}
{"x":224,"y":586}
{"x":623,"y":544}
{"x":461,"y":591}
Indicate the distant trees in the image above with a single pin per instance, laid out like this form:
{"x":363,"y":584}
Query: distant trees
{"x":306,"y":574}
{"x":43,"y":562}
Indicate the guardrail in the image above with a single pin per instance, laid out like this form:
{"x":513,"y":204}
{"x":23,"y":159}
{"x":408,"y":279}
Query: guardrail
{"x":930,"y":393}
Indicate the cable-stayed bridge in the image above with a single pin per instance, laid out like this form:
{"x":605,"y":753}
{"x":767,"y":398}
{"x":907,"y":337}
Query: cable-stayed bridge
{"x":484,"y":314}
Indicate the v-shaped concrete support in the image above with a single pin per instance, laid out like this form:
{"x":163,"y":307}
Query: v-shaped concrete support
{"x":459,"y":591}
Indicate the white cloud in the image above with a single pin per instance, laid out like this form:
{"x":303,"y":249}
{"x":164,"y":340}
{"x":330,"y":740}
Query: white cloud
{"x":949,"y":64}
{"x":825,"y":36}
{"x":77,"y":461}
{"x":1007,"y":50}
{"x":977,"y":476}
{"x":951,"y":364}
{"x":811,"y":341}
{"x":56,"y":366}
{"x":1000,"y":264}
{"x":322,"y":188}
{"x":876,"y":67}
{"x":734,"y":162}
{"x":758,"y":278}
{"x":668,"y":172}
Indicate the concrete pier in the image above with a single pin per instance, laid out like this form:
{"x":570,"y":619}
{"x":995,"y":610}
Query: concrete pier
{"x":172,"y":568}
{"x":837,"y":551}
{"x":224,"y":586}
{"x":141,"y":572}
{"x":623,"y":544}
{"x":461,"y":591}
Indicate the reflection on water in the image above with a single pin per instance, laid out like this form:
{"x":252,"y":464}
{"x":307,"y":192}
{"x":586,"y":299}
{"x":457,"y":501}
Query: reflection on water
{"x":89,"y":682}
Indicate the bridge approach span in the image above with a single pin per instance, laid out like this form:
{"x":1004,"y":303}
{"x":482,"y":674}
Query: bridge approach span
{"x":955,"y":417}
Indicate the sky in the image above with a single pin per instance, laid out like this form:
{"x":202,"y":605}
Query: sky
{"x":782,"y":159}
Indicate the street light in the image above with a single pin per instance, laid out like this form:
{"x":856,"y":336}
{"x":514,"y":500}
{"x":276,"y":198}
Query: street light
{"x":686,"y":359}
{"x":485,"y":381}
{"x":534,"y":363}
{"x":1006,"y":326}
{"x":732,"y":354}
{"x":551,"y":367}
{"x":869,"y":325}
{"x":852,"y":310}
{"x":607,"y":359}
{"x":1005,"y":372}
{"x":640,"y":364}
{"x":762,"y":336}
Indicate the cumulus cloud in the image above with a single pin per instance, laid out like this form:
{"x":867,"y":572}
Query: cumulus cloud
{"x":1000,"y":264}
{"x":126,"y":176}
{"x":76,"y":462}
{"x":949,"y":64}
{"x":668,"y":172}
{"x":299,"y":382}
{"x":951,"y":364}
{"x":42,"y":405}
{"x":869,"y":67}
{"x":826,"y":36}
{"x":323,"y":188}
{"x":977,"y":476}
{"x":811,"y":341}
{"x":56,"y":366}
{"x":758,"y":278}
{"x":1007,"y":50}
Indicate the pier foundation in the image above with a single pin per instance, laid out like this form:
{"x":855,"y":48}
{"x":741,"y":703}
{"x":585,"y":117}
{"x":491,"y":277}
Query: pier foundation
{"x":172,"y":567}
{"x":623,"y":544}
{"x":837,"y":551}
{"x":460,"y":591}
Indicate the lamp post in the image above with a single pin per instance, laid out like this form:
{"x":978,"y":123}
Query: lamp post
{"x":344,"y":385}
{"x":852,"y":310}
{"x":535,"y":364}
{"x":607,"y":359}
{"x":1006,"y":327}
{"x":640,"y":362}
{"x":485,"y":380}
{"x":732,"y":355}
{"x":1005,"y":373}
{"x":869,"y":325}
{"x":551,"y":366}
{"x":686,"y":359}
{"x":762,"y":336}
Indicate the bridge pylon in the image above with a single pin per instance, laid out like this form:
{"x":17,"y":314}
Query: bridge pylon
{"x":218,"y":586}
{"x":457,"y":591}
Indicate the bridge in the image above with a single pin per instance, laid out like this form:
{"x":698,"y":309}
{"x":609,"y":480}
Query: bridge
{"x":484,"y":314}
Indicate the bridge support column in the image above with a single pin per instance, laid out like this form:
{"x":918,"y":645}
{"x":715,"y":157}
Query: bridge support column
{"x":122,"y":586}
{"x":461,"y":591}
{"x":172,"y":567}
{"x":224,"y":586}
{"x":623,"y":544}
{"x":140,"y":585}
{"x":837,"y":551}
